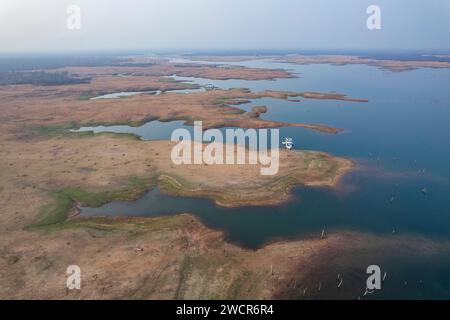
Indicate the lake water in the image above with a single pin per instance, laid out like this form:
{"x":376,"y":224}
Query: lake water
{"x":400,"y":140}
{"x":124,"y":94}
{"x":153,"y":130}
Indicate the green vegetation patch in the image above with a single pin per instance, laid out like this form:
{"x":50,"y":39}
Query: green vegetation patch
{"x":64,"y":200}
{"x":235,"y":111}
{"x":177,"y":186}
{"x":55,"y":129}
{"x":86,"y":96}
{"x":133,"y":225}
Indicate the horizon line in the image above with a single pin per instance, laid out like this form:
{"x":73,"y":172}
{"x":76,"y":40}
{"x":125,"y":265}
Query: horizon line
{"x":244,"y":51}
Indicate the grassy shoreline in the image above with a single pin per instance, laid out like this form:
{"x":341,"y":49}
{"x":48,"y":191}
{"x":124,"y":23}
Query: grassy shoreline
{"x":67,"y":199}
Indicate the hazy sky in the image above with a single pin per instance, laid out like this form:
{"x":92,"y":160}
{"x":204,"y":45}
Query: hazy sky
{"x":40,"y":25}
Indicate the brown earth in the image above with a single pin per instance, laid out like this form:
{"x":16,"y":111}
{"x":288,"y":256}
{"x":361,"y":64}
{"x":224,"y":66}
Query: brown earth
{"x":179,"y":258}
{"x":214,"y":72}
{"x":172,"y":257}
{"x":31,"y":106}
{"x":387,"y":64}
{"x":391,"y":65}
{"x":44,"y":171}
{"x":47,"y":105}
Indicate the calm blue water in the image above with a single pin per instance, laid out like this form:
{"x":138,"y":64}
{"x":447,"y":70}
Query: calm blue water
{"x":118,"y":95}
{"x":153,"y":130}
{"x":400,"y":139}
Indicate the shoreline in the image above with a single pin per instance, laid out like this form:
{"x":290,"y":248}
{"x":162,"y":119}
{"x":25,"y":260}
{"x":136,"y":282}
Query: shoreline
{"x":208,"y":261}
{"x":178,"y":257}
{"x":171,"y":186}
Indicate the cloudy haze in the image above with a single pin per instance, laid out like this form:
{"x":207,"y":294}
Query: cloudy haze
{"x":30,"y":25}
